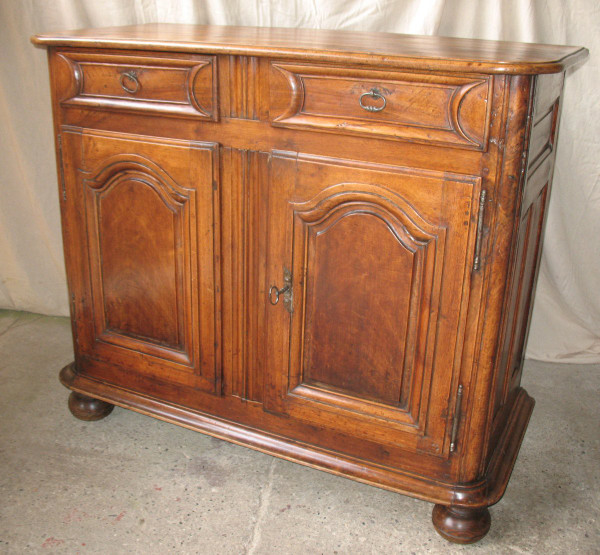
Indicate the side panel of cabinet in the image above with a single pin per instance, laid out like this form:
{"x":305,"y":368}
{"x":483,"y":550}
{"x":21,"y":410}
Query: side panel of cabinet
{"x":146,"y":298}
{"x":379,"y":261}
{"x":529,"y":233}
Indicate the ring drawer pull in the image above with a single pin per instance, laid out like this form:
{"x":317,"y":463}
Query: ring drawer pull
{"x":132,"y":76}
{"x":375,"y":95}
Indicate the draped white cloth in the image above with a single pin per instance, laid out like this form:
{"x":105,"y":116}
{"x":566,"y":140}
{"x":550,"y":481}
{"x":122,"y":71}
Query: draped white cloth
{"x":566,"y":321}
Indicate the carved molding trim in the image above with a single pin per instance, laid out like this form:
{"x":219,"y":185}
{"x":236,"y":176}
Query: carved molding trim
{"x":102,"y":176}
{"x":456,"y":114}
{"x":243,"y":192}
{"x":296,"y":89}
{"x":244,"y":88}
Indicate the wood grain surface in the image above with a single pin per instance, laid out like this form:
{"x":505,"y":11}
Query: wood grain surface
{"x":385,"y":49}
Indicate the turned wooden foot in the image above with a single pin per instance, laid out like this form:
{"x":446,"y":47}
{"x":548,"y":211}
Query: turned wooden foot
{"x":460,"y":525}
{"x":88,"y":408}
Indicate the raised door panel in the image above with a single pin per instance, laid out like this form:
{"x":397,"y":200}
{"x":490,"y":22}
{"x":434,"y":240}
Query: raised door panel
{"x":148,"y":275}
{"x":368,"y":339}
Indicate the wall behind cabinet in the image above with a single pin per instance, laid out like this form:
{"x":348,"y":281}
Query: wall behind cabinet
{"x":566,"y":321}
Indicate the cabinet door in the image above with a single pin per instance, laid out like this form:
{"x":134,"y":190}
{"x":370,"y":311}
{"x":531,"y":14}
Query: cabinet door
{"x":368,"y":339}
{"x":141,"y":249}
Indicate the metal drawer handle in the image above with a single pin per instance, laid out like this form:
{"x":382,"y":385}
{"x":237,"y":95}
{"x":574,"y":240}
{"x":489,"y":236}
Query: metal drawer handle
{"x":132,"y":76}
{"x":375,"y":95}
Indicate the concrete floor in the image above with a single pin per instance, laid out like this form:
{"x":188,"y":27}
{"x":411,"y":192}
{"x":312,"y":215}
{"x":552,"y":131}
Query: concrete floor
{"x":133,"y":484}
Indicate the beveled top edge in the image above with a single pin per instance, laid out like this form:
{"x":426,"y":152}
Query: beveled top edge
{"x":369,"y":48}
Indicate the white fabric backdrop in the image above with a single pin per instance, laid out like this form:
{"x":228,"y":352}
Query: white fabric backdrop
{"x":566,"y":322}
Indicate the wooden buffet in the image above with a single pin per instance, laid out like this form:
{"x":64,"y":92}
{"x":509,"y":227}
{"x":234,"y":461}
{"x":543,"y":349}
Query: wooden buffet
{"x":322,"y":245}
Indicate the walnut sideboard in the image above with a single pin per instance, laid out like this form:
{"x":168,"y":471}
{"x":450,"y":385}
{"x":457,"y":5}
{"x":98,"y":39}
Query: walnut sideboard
{"x":322,"y":245}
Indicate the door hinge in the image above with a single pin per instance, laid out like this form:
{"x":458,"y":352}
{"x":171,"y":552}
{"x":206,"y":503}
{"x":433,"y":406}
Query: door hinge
{"x":456,"y":419}
{"x":479,"y":237}
{"x":74,"y":321}
{"x":61,"y":168}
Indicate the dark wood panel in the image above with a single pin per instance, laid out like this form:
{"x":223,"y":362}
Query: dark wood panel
{"x":351,"y":285}
{"x":546,"y":112}
{"x":547,"y":92}
{"x":138,"y":233}
{"x":528,"y":252}
{"x":542,"y":138}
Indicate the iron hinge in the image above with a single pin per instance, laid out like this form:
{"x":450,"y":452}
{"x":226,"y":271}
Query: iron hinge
{"x":456,"y":419}
{"x":61,"y":168}
{"x":479,"y":237}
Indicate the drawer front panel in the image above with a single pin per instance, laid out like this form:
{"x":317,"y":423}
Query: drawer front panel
{"x":450,"y":110}
{"x":177,"y":86}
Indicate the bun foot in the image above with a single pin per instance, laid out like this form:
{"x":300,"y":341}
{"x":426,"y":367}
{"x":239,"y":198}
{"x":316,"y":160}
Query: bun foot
{"x":461,"y":525}
{"x":88,"y":408}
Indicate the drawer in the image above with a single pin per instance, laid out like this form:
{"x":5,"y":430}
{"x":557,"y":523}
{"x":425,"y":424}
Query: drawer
{"x":183,"y":86}
{"x":443,"y":109}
